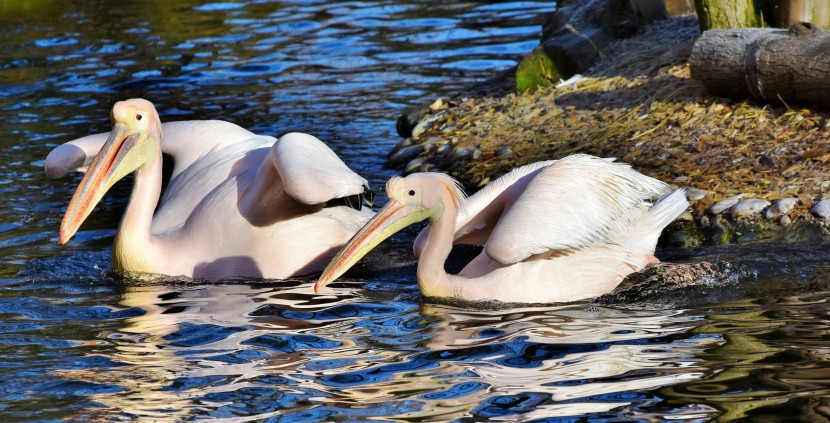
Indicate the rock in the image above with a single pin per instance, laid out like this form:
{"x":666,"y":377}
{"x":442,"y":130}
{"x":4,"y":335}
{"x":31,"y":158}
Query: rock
{"x":404,"y":155}
{"x":432,"y":143}
{"x":695,"y":194}
{"x":462,"y":153}
{"x":414,"y":165}
{"x":724,"y":205}
{"x":681,"y":239}
{"x":536,"y":70}
{"x":821,"y":209}
{"x":504,"y":152}
{"x":686,"y":216}
{"x":408,"y":119}
{"x":425,"y":125}
{"x":714,"y":231}
{"x":748,"y":207}
{"x":438,"y":104}
{"x":674,"y":284}
{"x":780,"y":208}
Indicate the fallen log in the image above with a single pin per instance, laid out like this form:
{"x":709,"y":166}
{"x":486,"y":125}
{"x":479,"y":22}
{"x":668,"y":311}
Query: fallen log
{"x":768,"y":65}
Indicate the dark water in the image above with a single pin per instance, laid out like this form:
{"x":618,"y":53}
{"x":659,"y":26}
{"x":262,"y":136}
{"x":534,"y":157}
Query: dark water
{"x":77,"y":343}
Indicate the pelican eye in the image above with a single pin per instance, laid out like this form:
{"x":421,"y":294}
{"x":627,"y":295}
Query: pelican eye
{"x":138,"y":117}
{"x":411,"y":193}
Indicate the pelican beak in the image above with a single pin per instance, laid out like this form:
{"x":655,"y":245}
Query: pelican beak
{"x":112,"y":163}
{"x":393,"y":217}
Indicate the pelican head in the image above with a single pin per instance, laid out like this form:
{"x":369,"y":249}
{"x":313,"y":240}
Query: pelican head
{"x":412,"y":199}
{"x":133,"y":144}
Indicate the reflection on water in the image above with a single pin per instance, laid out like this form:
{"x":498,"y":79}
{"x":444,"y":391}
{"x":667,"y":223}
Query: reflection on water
{"x":79,"y":344}
{"x":260,"y":351}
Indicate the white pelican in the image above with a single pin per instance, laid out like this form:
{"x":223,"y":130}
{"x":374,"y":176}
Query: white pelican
{"x":237,"y":205}
{"x":552,"y":231}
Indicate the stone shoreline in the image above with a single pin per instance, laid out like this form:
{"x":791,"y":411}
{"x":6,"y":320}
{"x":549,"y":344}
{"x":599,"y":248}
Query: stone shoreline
{"x":750,"y":169}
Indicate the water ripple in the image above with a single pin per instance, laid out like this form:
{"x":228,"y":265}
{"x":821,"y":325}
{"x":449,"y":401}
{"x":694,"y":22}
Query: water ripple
{"x":81,"y":343}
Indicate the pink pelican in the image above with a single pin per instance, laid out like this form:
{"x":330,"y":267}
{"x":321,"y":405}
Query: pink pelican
{"x":237,"y":204}
{"x":553,"y":231}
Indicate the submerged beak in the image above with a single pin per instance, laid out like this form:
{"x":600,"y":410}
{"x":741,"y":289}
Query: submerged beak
{"x":104,"y":171}
{"x":390,"y":219}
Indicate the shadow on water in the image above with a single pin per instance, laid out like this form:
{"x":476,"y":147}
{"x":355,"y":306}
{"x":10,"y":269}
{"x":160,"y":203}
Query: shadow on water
{"x":80,"y":343}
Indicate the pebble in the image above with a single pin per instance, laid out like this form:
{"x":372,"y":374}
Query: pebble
{"x":686,"y":216}
{"x":695,"y":194}
{"x":780,"y":207}
{"x":466,"y":152}
{"x":821,"y":209}
{"x":404,"y":155}
{"x":504,"y":151}
{"x":425,"y":125}
{"x":748,"y":207}
{"x":726,"y":204}
{"x":414,"y":165}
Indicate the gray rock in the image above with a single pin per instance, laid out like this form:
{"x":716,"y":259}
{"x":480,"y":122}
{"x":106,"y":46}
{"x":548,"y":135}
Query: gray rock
{"x":695,"y":194}
{"x":414,"y":165}
{"x":780,"y":208}
{"x":404,"y":155}
{"x":425,"y":125}
{"x":748,"y":207}
{"x":821,"y":209}
{"x":408,"y":119}
{"x":675,"y":284}
{"x":504,"y":152}
{"x":461,"y":153}
{"x":686,"y":216}
{"x":724,"y":205}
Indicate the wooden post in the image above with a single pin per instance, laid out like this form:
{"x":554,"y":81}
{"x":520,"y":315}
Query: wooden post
{"x":728,"y":14}
{"x":789,"y":12}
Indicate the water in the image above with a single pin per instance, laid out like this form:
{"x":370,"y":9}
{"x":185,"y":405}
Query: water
{"x":78,"y":343}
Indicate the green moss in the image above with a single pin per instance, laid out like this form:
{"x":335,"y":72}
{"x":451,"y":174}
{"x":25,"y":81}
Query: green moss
{"x":536,"y":70}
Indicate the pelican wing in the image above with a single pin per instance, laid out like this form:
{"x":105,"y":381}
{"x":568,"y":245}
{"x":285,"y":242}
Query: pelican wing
{"x":481,"y":211}
{"x":311,"y":173}
{"x":577,"y":202}
{"x":72,"y":156}
{"x":198,"y":184}
{"x":190,"y":141}
{"x":185,"y":141}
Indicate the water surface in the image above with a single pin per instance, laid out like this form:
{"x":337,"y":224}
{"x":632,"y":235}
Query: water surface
{"x":79,"y":343}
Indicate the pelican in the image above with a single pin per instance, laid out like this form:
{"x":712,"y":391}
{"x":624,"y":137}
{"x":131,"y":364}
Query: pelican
{"x":553,"y":231}
{"x":237,"y":204}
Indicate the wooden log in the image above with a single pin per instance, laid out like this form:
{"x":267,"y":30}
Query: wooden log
{"x":768,"y":65}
